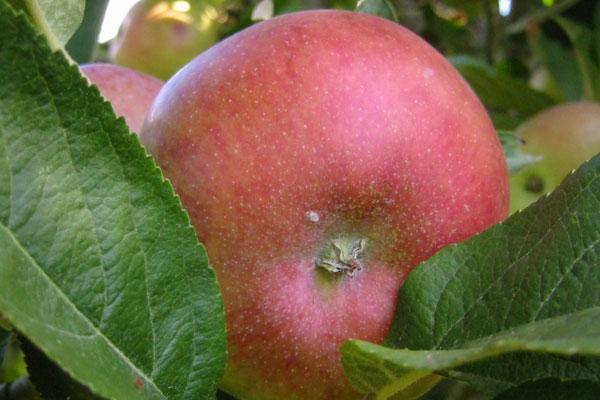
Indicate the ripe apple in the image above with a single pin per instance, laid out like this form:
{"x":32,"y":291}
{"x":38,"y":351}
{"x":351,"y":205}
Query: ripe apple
{"x":158,"y":36}
{"x":564,"y":137}
{"x":321,"y":155}
{"x":130,"y":92}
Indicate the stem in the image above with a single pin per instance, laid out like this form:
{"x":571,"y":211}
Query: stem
{"x":343,"y":255}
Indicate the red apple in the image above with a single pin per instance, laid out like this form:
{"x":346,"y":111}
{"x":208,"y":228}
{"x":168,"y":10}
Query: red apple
{"x":159,"y":36}
{"x":321,"y":155}
{"x":563,"y":137}
{"x":130,"y":92}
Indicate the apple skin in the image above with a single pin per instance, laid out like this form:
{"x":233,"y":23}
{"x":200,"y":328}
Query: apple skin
{"x":304,"y":130}
{"x":564,"y":137}
{"x":158,"y":39}
{"x":130,"y":92}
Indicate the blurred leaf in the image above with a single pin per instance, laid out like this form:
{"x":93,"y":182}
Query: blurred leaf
{"x":499,"y":92}
{"x":408,"y":13}
{"x":562,"y":67}
{"x":539,"y":15}
{"x":515,"y":157}
{"x":82,"y":44}
{"x":99,"y":266}
{"x":505,"y":120}
{"x":370,"y":366}
{"x":21,"y":389}
{"x":597,"y":31}
{"x":380,"y":8}
{"x":57,"y":19}
{"x":262,"y":11}
{"x":535,"y":275}
{"x":583,"y":44}
{"x":4,"y":335}
{"x":553,"y":389}
{"x":49,"y":380}
{"x":12,"y":363}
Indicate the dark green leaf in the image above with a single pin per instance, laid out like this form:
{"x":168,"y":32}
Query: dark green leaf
{"x":539,"y":15}
{"x":99,"y":266}
{"x":597,"y":31}
{"x":538,"y":264}
{"x":408,"y":13}
{"x":582,"y":39}
{"x":562,"y":66}
{"x":531,"y":274}
{"x":496,"y":375}
{"x":516,"y":158}
{"x":500,"y":92}
{"x":388,"y":372}
{"x":4,"y":335}
{"x":553,"y":389}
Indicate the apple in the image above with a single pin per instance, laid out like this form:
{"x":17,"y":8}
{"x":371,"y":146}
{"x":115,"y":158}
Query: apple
{"x":563,"y":136}
{"x":130,"y":92}
{"x":321,"y":155}
{"x":158,"y":37}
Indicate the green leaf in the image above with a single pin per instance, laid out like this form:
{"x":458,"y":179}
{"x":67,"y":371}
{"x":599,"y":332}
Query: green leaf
{"x":553,"y":389}
{"x":516,"y":158}
{"x":562,"y":66}
{"x":501,"y":92}
{"x":597,"y":31}
{"x":583,"y":43}
{"x":12,"y":362}
{"x":540,"y":264}
{"x":4,"y":335}
{"x":99,"y":266}
{"x":539,"y":15}
{"x":408,"y":13}
{"x":375,"y":368}
{"x":380,"y":8}
{"x":57,"y":19}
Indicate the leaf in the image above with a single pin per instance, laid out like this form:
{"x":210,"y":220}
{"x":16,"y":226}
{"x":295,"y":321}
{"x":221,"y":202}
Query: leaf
{"x":99,"y":266}
{"x":57,"y":19}
{"x":583,"y":43}
{"x":21,"y":389}
{"x":366,"y":363}
{"x":516,"y":158}
{"x":379,"y":8}
{"x":562,"y":67}
{"x":4,"y":335}
{"x":500,"y":92}
{"x":263,"y":11}
{"x":553,"y":389}
{"x":540,"y":264}
{"x":597,"y":31}
{"x":408,"y":13}
{"x":538,"y":16}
